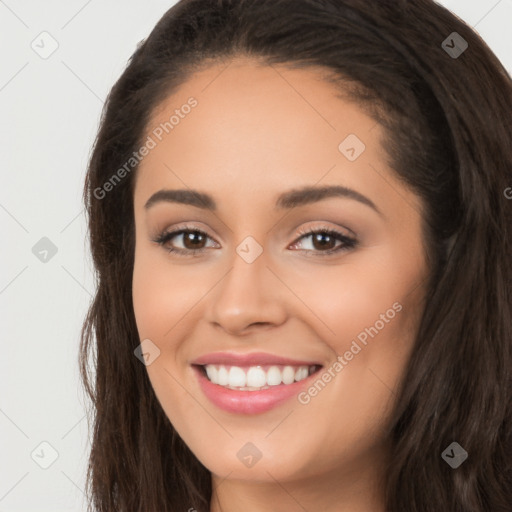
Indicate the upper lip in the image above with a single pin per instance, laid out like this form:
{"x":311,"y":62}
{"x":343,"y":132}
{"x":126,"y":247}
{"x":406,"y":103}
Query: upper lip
{"x":249,"y":359}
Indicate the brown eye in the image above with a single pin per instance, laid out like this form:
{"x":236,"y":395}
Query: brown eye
{"x":325,"y":242}
{"x":192,"y":240}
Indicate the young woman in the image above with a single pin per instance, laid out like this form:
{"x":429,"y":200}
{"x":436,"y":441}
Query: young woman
{"x":300,"y":216}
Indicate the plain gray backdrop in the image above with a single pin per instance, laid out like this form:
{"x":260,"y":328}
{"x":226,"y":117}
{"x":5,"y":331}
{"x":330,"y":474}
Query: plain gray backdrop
{"x":59,"y":59}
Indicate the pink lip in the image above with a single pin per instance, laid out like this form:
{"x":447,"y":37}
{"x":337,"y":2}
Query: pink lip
{"x":250,"y":359}
{"x":249,"y":402}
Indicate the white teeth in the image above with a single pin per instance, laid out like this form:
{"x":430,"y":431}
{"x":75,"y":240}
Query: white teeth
{"x":222,"y":376}
{"x":237,"y":377}
{"x":301,"y":373}
{"x":288,"y":375}
{"x":274,"y":376}
{"x":255,"y":377}
{"x":212,"y":373}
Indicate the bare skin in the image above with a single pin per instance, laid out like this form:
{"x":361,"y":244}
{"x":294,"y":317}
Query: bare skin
{"x":256,"y":132}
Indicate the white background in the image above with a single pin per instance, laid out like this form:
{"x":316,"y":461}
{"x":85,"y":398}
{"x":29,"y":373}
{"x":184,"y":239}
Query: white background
{"x":49,"y":112}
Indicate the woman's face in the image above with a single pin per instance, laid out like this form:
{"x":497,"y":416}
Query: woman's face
{"x":254,"y":139}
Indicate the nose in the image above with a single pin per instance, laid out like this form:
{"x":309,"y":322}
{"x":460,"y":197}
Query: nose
{"x":248,"y":297}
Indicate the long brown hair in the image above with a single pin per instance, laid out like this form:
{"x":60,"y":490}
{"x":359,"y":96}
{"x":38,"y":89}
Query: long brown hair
{"x":448,"y":125}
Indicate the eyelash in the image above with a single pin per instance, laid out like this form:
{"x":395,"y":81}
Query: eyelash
{"x":347,"y":242}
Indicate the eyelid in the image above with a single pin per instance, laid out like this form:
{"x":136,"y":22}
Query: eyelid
{"x":182,"y":227}
{"x":315,"y":226}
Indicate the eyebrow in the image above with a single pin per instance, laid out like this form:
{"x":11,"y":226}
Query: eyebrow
{"x":287,"y":200}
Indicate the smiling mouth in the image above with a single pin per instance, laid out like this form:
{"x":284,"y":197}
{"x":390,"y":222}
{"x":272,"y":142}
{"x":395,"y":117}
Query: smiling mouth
{"x":256,"y":377}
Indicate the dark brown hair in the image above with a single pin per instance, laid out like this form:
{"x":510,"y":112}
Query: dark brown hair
{"x":448,"y":125}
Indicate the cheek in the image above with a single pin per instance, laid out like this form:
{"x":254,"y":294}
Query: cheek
{"x":149,"y":295}
{"x":367,"y":311}
{"x":367,"y":295}
{"x":379,"y":306}
{"x":162,"y":294}
{"x":163,"y":299}
{"x":368,"y":304}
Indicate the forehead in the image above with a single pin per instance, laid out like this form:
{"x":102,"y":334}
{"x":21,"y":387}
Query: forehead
{"x":257,"y":128}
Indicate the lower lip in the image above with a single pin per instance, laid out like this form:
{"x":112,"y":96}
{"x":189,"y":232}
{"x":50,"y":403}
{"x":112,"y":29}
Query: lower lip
{"x":249,"y":402}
